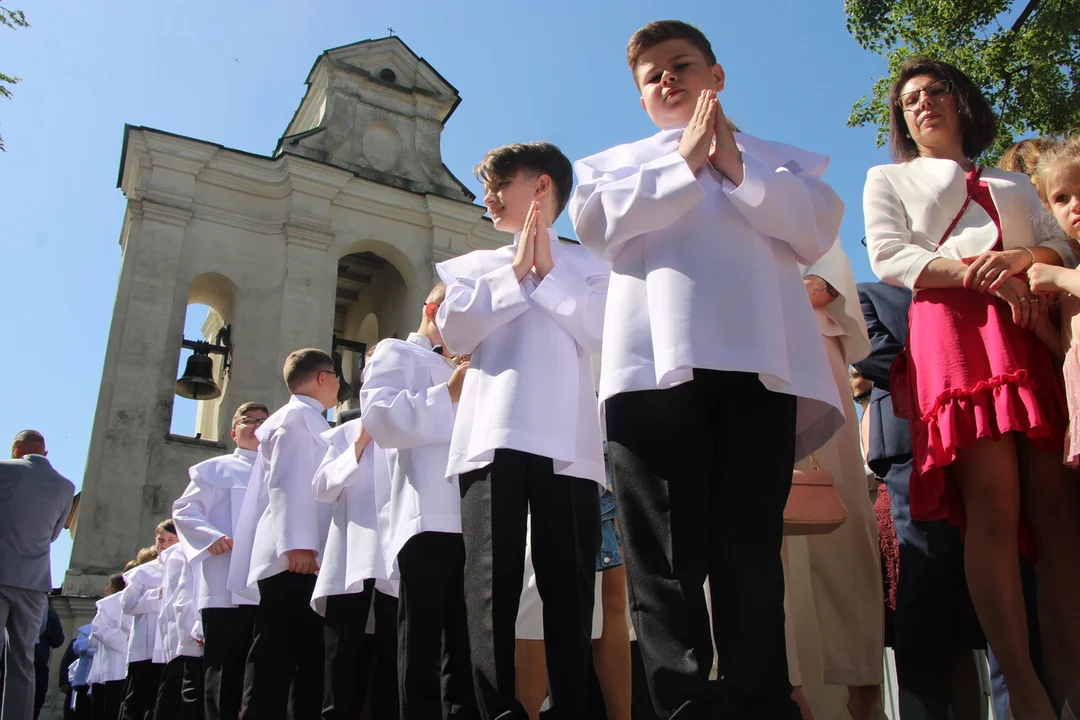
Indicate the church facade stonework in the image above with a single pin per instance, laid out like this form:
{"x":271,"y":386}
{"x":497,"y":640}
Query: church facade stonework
{"x":329,"y":242}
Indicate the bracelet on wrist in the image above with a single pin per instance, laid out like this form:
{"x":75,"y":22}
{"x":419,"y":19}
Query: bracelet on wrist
{"x":1031,"y":253}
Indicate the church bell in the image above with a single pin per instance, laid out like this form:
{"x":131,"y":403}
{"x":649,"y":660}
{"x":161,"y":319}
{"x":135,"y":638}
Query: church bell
{"x":197,"y":382}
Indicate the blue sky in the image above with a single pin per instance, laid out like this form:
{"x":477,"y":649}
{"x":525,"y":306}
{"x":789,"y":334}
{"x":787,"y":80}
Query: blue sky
{"x":233,"y":72}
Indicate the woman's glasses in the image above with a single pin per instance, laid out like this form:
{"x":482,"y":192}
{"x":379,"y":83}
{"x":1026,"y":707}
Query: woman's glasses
{"x":937,"y":89}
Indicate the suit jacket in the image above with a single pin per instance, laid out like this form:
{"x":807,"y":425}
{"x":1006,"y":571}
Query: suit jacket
{"x":34,"y":504}
{"x":885,"y":309}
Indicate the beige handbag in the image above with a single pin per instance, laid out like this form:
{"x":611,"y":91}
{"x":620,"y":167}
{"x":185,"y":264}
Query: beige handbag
{"x":813,"y":507}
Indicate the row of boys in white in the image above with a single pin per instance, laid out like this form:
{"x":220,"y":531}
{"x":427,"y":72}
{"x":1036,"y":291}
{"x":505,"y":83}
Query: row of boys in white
{"x":154,"y":618}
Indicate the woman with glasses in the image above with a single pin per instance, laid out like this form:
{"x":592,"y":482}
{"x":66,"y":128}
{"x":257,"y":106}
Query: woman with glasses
{"x":983,"y":395}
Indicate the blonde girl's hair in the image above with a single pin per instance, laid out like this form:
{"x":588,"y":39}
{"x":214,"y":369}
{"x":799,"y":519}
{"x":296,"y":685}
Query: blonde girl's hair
{"x":1062,"y":154}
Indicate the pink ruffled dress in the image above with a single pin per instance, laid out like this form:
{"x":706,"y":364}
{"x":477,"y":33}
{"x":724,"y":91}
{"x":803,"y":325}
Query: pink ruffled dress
{"x":974,"y":374}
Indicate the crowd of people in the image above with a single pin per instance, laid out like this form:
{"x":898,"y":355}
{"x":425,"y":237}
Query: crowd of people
{"x":454,"y":547}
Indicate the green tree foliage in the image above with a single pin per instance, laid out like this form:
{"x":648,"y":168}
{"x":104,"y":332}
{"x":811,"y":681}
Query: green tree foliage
{"x":1024,"y":55}
{"x":13,"y":20}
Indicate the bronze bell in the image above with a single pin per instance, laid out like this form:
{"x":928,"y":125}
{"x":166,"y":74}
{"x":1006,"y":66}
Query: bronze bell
{"x":197,"y":382}
{"x":345,"y":389}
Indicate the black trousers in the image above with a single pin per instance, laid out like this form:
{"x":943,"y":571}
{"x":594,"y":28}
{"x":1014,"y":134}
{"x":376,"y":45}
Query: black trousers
{"x":180,"y":695}
{"x":41,"y":686}
{"x":495,"y":502}
{"x":349,"y":651}
{"x":107,"y":699}
{"x":284,"y":674}
{"x":227,"y":633}
{"x":84,"y":703}
{"x":434,"y":670}
{"x":140,"y":690}
{"x":702,"y":472}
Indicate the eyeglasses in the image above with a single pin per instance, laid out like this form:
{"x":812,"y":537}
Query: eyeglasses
{"x":937,"y":89}
{"x":250,"y":421}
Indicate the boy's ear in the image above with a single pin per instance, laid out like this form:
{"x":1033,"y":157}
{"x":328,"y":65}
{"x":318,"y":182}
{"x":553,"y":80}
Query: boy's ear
{"x":719,"y":76}
{"x":543,"y":186}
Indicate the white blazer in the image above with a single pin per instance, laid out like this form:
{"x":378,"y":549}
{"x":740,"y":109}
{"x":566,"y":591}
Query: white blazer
{"x":207,"y":511}
{"x":178,"y":622}
{"x":908,"y":206}
{"x":354,"y":550}
{"x":406,"y":408}
{"x":109,"y":634}
{"x":279,"y":512}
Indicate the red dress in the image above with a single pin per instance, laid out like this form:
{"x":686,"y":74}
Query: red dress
{"x":973,"y":374}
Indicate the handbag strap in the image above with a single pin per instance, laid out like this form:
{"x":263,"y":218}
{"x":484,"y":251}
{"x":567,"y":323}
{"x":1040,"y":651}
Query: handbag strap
{"x":972,"y":183}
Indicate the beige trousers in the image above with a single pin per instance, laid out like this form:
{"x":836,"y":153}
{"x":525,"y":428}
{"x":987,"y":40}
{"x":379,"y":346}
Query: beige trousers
{"x":843,"y":578}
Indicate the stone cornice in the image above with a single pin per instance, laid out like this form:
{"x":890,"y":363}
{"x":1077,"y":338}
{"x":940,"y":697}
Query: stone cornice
{"x":315,"y":238}
{"x":454,"y":216}
{"x":166,"y":214}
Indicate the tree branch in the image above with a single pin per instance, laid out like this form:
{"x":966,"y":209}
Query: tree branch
{"x":1024,"y":16}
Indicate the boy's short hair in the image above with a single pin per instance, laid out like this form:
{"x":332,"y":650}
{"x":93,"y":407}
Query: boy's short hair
{"x":117,"y":582}
{"x":303,"y":365}
{"x":661,"y":31}
{"x":166,"y":526}
{"x":245,"y":409}
{"x":437,"y":294}
{"x":502,"y":164}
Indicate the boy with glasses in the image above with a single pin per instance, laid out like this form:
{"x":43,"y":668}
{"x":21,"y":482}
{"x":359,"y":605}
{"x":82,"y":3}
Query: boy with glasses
{"x":205,"y":517}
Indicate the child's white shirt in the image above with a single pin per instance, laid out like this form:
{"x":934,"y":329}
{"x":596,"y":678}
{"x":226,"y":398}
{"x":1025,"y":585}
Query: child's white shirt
{"x":529,"y":386}
{"x":706,"y":275}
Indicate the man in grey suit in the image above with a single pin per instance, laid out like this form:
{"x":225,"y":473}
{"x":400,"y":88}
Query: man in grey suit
{"x":35,"y":501}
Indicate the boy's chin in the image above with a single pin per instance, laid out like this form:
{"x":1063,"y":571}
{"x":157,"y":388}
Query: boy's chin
{"x":507,"y":226}
{"x":668,"y":119}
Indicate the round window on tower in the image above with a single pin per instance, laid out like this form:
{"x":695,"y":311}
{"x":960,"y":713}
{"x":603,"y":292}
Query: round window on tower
{"x":388,"y":75}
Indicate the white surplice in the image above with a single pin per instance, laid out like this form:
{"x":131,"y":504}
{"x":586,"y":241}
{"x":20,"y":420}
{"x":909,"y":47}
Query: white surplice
{"x":109,"y":635}
{"x":706,"y":275}
{"x":179,"y":623}
{"x":354,"y":550}
{"x":406,"y":408}
{"x":279,"y":512}
{"x":208,"y":511}
{"x":141,"y":600}
{"x":529,"y":386}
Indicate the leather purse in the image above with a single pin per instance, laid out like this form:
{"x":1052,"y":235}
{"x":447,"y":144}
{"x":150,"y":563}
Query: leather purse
{"x":813,"y":506}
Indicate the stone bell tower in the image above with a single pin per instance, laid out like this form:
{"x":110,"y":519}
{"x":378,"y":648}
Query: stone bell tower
{"x":328,"y":242}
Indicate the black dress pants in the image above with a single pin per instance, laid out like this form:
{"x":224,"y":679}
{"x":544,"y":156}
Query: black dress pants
{"x":495,"y":502}
{"x":434,"y":670}
{"x":180,"y":695}
{"x":349,"y":651}
{"x":141,"y":689}
{"x":228,"y":633}
{"x":107,"y":699}
{"x":702,"y":472}
{"x":284,"y":674}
